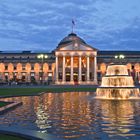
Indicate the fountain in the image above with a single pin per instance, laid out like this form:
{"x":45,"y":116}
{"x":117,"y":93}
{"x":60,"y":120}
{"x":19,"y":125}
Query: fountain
{"x":117,"y":84}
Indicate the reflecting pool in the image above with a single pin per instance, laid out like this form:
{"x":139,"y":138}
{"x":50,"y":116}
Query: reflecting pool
{"x":76,"y":115}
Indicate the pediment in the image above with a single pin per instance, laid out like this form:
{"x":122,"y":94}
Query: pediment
{"x":80,"y":47}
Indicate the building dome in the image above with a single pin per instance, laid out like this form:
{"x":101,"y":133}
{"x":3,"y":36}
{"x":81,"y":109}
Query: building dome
{"x":72,"y":37}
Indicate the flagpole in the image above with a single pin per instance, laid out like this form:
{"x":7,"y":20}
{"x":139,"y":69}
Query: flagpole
{"x":73,"y":23}
{"x":72,"y":28}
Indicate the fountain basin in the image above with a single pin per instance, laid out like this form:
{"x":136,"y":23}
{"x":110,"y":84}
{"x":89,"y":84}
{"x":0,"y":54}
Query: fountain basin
{"x":117,"y":84}
{"x":117,"y":93}
{"x":118,"y":81}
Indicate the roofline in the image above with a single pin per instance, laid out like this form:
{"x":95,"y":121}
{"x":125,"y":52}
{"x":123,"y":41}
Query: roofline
{"x":63,"y":45}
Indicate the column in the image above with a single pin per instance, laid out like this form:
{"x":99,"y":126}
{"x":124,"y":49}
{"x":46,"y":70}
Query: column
{"x":56,"y":68}
{"x":2,"y":76}
{"x":64,"y":75}
{"x":87,"y":68}
{"x":80,"y":70}
{"x":28,"y":77}
{"x":95,"y":69}
{"x":138,"y":77}
{"x":37,"y":76}
{"x":71,"y":72}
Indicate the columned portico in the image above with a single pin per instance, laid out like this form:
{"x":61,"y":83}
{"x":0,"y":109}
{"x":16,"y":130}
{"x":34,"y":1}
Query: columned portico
{"x":95,"y":69}
{"x":56,"y":74}
{"x":64,"y":72}
{"x":75,"y":62}
{"x":87,"y":68}
{"x":80,"y":70}
{"x":71,"y":72}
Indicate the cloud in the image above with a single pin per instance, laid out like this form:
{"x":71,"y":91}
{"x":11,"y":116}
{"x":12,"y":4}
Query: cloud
{"x":104,"y":24}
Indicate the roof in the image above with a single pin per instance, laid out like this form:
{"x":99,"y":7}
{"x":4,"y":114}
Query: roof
{"x":23,"y":52}
{"x":118,"y":52}
{"x":70,"y":38}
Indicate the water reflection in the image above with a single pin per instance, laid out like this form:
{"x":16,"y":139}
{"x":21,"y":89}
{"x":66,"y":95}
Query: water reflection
{"x":76,"y":115}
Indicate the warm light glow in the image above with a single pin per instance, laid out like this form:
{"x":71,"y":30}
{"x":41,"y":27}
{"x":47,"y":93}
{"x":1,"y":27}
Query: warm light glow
{"x":36,"y":67}
{"x":137,"y":67}
{"x":129,"y":66}
{"x":76,"y":44}
{"x":46,"y":56}
{"x":45,"y":67}
{"x":2,"y":67}
{"x":84,"y":62}
{"x":121,"y":56}
{"x":75,"y":62}
{"x":68,"y":61}
{"x":19,"y":67}
{"x":49,"y":74}
{"x":103,"y":68}
{"x":42,"y":56}
{"x":53,"y":67}
{"x":28,"y":67}
{"x":10,"y":67}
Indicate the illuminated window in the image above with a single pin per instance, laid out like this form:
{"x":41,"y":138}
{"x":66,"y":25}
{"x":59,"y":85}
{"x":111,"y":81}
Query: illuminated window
{"x":50,"y":74}
{"x":6,"y":74}
{"x":32,"y":74}
{"x":23,"y":74}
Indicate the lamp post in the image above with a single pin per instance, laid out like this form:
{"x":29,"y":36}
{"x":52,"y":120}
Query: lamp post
{"x":120,"y":57}
{"x":42,"y":57}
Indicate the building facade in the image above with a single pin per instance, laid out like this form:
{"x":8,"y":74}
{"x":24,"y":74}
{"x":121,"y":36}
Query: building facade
{"x":72,"y":62}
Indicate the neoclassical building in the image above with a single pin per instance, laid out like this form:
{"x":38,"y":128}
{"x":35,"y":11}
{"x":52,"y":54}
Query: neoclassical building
{"x":76,"y":61}
{"x":72,"y":62}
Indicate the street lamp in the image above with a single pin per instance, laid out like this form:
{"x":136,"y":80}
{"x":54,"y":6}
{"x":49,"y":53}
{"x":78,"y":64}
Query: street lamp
{"x":121,"y":56}
{"x":42,"y":57}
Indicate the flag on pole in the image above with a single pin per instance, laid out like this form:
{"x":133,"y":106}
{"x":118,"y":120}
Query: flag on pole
{"x":73,"y":24}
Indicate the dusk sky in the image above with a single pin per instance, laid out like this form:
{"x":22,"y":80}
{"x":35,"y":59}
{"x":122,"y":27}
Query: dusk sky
{"x":42,"y":24}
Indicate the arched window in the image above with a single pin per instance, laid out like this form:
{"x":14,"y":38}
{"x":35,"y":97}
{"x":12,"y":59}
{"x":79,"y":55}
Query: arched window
{"x":36,"y":67}
{"x":137,"y":67}
{"x":53,"y":66}
{"x":19,"y":67}
{"x":103,"y":68}
{"x":10,"y":67}
{"x":2,"y":67}
{"x":45,"y":67}
{"x":28,"y":67}
{"x":129,"y":66}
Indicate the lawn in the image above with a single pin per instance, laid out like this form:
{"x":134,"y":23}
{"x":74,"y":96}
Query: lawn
{"x":3,"y":104}
{"x":20,"y":91}
{"x":34,"y":91}
{"x":8,"y":137}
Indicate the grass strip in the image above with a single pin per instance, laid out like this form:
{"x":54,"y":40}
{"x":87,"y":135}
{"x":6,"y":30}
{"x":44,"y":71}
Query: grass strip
{"x":35,"y":91}
{"x":9,"y":137}
{"x":3,"y":103}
